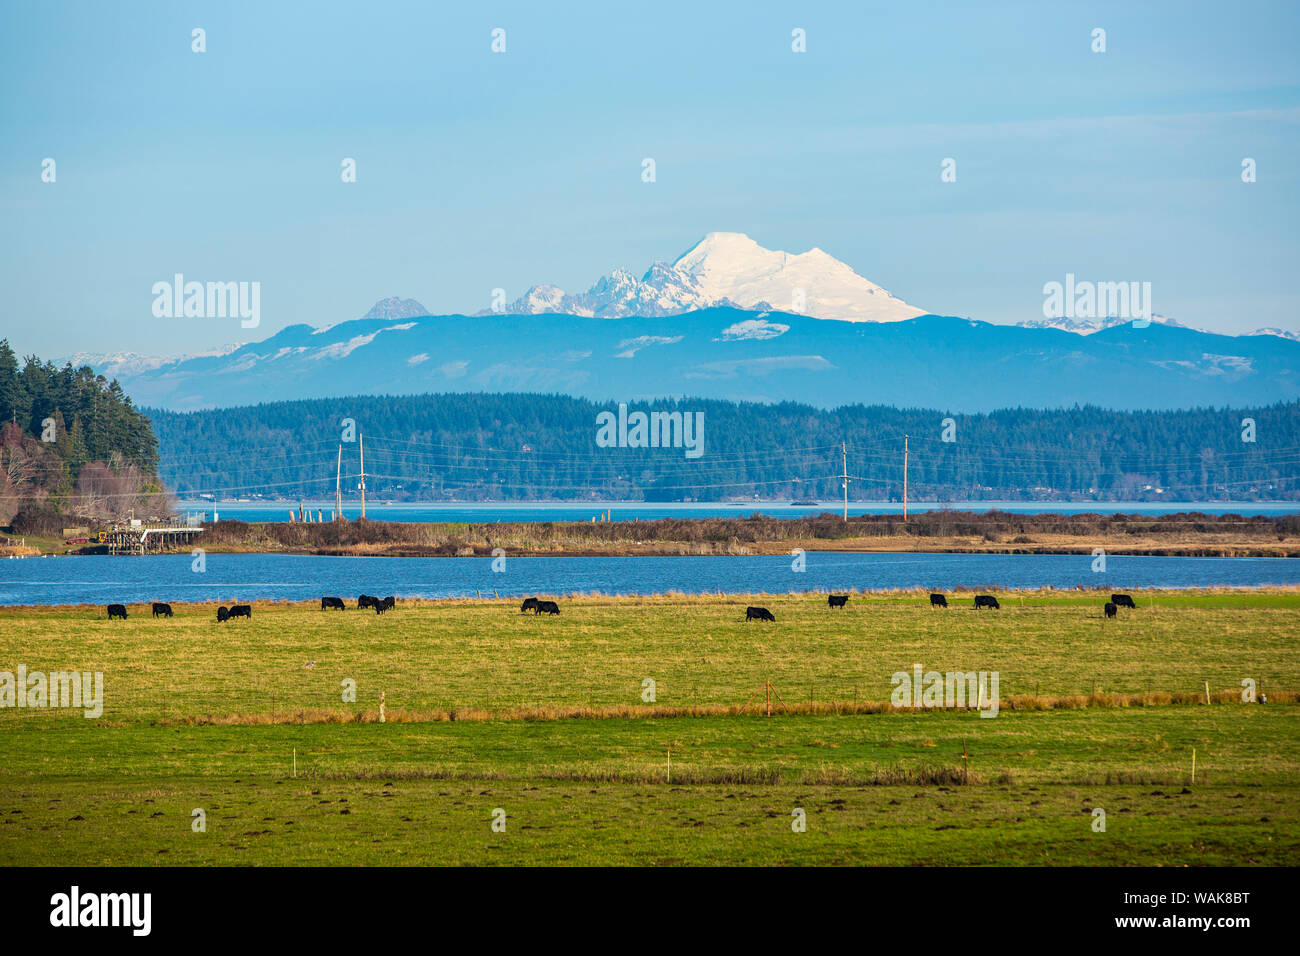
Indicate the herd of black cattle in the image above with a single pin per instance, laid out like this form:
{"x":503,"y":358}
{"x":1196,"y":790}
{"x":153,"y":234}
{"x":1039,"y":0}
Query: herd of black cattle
{"x":538,"y":606}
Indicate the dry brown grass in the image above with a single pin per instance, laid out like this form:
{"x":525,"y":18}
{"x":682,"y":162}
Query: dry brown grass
{"x":984,"y":532}
{"x":755,"y":708}
{"x":726,"y":776}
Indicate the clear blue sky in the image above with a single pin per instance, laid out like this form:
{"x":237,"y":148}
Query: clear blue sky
{"x":479,"y":170}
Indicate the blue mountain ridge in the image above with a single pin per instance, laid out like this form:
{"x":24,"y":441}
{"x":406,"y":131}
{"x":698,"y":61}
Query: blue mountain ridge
{"x":931,"y":361}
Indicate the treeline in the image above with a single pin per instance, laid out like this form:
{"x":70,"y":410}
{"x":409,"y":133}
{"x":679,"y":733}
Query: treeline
{"x":472,"y":447}
{"x":72,"y":448}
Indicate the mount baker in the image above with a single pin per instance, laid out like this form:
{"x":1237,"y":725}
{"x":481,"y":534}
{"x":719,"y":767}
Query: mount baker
{"x":727,"y":269}
{"x":730,"y":320}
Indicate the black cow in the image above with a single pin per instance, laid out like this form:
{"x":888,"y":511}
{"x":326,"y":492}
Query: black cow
{"x":547,"y":607}
{"x":530,"y":604}
{"x":938,"y":600}
{"x":758,"y":614}
{"x":161,"y":609}
{"x":1110,"y":609}
{"x":326,"y":603}
{"x":223,"y":615}
{"x":387,"y":604}
{"x":837,"y":600}
{"x":117,"y":610}
{"x":241,"y":610}
{"x":986,"y":600}
{"x":1122,"y":600}
{"x":366,"y":601}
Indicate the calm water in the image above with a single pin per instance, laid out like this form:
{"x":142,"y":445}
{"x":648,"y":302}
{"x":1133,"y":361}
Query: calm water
{"x":628,"y":511}
{"x":251,"y":577}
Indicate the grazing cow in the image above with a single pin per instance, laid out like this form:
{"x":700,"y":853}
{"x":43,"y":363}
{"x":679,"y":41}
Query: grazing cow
{"x":223,"y":615}
{"x":758,"y":614}
{"x":387,"y":604}
{"x":938,"y":600}
{"x":366,"y":601}
{"x":117,"y":610}
{"x":161,"y":609}
{"x":530,"y":604}
{"x":326,"y":603}
{"x":986,"y":600}
{"x":1122,"y":600}
{"x":837,"y":600}
{"x":547,"y":607}
{"x":241,"y":610}
{"x":1110,"y":609}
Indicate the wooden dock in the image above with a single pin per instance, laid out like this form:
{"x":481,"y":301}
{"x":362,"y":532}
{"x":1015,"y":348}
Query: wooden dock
{"x":148,"y":539}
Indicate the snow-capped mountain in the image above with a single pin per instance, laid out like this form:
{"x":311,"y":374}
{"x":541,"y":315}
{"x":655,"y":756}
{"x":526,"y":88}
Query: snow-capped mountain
{"x":1282,"y":333}
{"x":126,"y":364}
{"x":728,"y":269}
{"x":1089,"y":326}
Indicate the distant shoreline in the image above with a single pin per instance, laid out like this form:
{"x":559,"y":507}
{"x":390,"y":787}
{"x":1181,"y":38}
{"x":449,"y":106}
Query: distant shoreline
{"x":1179,"y":535}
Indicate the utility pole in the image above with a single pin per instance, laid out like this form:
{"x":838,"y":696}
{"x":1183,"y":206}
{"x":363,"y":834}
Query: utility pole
{"x":904,"y":477}
{"x":338,"y":488}
{"x":844,"y":478}
{"x":362,"y":437}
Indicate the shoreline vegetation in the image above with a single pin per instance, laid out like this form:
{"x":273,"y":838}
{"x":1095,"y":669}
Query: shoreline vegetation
{"x":1190,"y":534}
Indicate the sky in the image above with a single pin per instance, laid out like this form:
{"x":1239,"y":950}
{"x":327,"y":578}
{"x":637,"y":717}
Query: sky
{"x":478,"y":170}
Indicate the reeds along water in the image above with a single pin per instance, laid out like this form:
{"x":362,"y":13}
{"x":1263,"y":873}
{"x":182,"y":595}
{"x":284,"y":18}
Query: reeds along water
{"x":709,"y":535}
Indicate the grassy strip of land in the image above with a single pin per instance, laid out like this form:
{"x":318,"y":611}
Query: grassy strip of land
{"x":440,"y":657}
{"x":874,"y":790}
{"x":99,"y":821}
{"x":1235,"y":743}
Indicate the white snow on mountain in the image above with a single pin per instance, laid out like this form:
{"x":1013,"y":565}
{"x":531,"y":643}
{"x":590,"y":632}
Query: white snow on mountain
{"x":1281,"y":333}
{"x":728,"y":269}
{"x":631,"y":346}
{"x":122,"y":364}
{"x":731,"y":266}
{"x":340,"y":349}
{"x":757,"y":328}
{"x":393,"y":307}
{"x":1089,"y":326}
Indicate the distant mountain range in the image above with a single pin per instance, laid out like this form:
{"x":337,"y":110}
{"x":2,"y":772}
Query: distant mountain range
{"x":731,"y":320}
{"x":726,"y":353}
{"x":1089,"y":326}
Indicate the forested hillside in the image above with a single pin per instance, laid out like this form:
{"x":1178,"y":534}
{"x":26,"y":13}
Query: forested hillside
{"x":72,"y":447}
{"x":537,"y":447}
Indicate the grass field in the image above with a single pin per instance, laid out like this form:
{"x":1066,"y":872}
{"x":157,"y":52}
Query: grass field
{"x":544,"y":719}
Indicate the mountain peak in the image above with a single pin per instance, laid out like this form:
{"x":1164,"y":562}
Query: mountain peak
{"x":395,"y":307}
{"x":730,"y":268}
